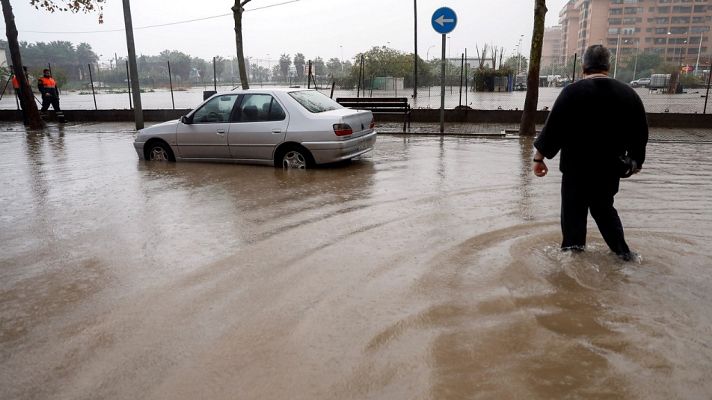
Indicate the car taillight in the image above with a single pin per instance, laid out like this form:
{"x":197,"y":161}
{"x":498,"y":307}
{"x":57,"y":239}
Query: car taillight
{"x":342,"y":130}
{"x":372,"y":124}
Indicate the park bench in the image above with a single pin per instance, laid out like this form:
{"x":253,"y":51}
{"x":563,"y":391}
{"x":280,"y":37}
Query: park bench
{"x":380,"y":105}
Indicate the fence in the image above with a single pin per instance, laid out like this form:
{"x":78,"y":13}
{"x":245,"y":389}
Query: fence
{"x":166,"y":85}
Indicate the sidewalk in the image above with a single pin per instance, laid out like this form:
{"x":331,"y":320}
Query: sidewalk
{"x":691,"y":135}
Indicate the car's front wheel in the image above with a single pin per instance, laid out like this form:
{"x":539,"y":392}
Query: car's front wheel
{"x":295,"y":158}
{"x":159,"y":151}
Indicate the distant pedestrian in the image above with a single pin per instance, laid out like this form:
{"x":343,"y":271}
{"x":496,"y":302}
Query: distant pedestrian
{"x":18,"y":92}
{"x":48,"y":88}
{"x":600,"y":127}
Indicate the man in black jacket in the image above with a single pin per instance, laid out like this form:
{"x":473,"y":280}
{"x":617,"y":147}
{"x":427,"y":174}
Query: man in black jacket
{"x":594,"y":123}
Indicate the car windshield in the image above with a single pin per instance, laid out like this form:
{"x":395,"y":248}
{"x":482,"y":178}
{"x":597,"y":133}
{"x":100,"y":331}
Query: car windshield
{"x":314,"y":101}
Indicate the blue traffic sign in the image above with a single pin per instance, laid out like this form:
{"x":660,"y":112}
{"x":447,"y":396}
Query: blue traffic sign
{"x":444,"y":20}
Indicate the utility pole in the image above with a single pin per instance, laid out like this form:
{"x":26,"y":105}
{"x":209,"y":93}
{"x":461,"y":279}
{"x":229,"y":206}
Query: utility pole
{"x":415,"y":58}
{"x":133,"y":70}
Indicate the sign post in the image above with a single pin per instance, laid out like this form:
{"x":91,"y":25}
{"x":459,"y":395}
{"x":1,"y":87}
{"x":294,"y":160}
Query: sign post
{"x":444,"y":21}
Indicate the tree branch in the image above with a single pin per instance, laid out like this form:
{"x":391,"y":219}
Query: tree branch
{"x":244,"y":2}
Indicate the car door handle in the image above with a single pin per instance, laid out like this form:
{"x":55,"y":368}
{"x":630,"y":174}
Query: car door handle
{"x":221,"y":132}
{"x":276,"y":131}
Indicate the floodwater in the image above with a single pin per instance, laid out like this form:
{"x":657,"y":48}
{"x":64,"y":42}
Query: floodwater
{"x":428,"y":270}
{"x":690,"y":102}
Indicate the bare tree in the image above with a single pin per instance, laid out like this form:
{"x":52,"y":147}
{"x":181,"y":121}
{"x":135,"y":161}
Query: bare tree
{"x":237,"y":11}
{"x":527,"y":126}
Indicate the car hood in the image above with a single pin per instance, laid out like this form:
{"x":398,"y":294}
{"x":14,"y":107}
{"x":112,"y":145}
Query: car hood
{"x":163,"y":127}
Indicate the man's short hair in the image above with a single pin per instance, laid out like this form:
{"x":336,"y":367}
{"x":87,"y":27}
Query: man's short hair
{"x":45,"y":70}
{"x":596,"y":59}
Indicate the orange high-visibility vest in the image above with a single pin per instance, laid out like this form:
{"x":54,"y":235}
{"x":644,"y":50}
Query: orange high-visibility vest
{"x":48,"y":83}
{"x":15,"y":82}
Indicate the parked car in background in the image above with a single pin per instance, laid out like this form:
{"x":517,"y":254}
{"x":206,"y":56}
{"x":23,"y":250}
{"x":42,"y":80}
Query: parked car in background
{"x":290,"y":128}
{"x":642,"y":82}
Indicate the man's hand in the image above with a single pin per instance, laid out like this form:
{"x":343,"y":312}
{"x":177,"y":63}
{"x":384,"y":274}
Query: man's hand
{"x":539,"y":168}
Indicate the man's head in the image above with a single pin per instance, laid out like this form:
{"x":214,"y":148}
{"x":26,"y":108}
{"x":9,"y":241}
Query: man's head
{"x":596,"y":60}
{"x":45,"y":72}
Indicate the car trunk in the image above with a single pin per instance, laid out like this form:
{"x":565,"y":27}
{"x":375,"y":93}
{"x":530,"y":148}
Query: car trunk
{"x":359,"y":121}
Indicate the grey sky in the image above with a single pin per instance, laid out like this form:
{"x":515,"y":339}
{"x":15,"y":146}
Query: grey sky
{"x":325,"y":28}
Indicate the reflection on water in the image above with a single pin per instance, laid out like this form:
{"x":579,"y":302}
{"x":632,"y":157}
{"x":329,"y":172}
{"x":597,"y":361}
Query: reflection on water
{"x":428,"y":269}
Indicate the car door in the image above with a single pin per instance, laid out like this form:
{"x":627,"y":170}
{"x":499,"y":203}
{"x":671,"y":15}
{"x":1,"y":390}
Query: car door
{"x":205,"y":136}
{"x":260,"y":124}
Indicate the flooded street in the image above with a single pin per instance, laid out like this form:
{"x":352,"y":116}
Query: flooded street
{"x":429,"y":269}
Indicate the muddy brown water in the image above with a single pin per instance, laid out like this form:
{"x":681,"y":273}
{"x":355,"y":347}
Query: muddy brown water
{"x":427,"y":270}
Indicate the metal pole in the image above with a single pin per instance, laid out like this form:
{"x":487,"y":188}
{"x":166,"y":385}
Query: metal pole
{"x":170,"y":82}
{"x":49,"y":67}
{"x":138,"y":111}
{"x":635,"y":66}
{"x":215,"y":76}
{"x":442,"y":86}
{"x":415,"y":58}
{"x":573,"y":75}
{"x":309,"y":75}
{"x":462,"y":71}
{"x":128,"y":82}
{"x":466,"y":103}
{"x":91,"y":81}
{"x":707,"y":94}
{"x":615,"y":63}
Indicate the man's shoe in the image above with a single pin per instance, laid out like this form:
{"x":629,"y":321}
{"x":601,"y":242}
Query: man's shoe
{"x":629,"y":256}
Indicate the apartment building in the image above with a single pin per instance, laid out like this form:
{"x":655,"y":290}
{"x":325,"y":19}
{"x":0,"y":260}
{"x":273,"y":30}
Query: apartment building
{"x":551,"y":49}
{"x":677,"y":30}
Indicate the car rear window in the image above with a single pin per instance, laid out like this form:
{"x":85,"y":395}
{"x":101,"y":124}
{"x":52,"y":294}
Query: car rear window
{"x":314,"y":101}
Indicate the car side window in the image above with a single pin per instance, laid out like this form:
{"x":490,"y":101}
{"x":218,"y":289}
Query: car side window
{"x":216,"y":110}
{"x":259,"y":107}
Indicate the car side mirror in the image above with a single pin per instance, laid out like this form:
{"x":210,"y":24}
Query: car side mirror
{"x":185,"y":120}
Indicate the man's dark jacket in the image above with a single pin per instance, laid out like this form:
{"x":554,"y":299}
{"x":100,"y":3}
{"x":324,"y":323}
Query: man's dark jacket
{"x":593,"y":122}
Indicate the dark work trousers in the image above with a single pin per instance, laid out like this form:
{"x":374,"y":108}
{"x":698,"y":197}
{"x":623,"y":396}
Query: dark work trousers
{"x":579,"y":194}
{"x":47,"y":100}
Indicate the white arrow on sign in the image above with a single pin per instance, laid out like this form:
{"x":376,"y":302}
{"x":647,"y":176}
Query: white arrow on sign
{"x":442,"y":20}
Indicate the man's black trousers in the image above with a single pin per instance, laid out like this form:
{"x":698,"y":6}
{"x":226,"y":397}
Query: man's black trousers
{"x":47,"y":100}
{"x":581,"y":193}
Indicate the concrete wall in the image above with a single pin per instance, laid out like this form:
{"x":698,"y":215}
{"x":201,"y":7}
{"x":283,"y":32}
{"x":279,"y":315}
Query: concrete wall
{"x":659,"y":120}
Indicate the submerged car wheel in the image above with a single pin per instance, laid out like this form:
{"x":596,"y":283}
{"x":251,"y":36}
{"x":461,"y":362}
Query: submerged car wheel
{"x":296,"y":158}
{"x":158,"y":151}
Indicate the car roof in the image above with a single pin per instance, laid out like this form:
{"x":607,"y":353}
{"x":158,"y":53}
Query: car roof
{"x":270,"y":89}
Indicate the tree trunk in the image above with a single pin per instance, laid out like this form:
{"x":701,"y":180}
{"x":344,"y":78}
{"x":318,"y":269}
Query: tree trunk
{"x":237,"y":11}
{"x":527,"y":126}
{"x":26,"y":97}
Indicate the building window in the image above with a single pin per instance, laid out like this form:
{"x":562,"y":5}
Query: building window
{"x":683,"y":9}
{"x":678,"y":30}
{"x":680,"y":20}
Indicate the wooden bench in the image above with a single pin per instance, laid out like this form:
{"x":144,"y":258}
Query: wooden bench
{"x":380,"y":105}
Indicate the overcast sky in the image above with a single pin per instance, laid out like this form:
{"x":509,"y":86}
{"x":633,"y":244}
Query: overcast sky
{"x":325,"y":28}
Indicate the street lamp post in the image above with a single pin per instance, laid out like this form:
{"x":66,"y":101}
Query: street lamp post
{"x":699,"y":49}
{"x":519,"y":56}
{"x":618,"y":45}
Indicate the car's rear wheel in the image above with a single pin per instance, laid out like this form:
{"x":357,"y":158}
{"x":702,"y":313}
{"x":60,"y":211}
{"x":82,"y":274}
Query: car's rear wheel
{"x":159,"y":151}
{"x":295,"y":158}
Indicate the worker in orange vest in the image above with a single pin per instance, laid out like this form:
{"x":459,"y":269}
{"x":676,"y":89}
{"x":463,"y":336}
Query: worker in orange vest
{"x":48,"y":88}
{"x":18,"y":88}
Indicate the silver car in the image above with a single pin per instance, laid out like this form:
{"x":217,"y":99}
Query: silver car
{"x":290,"y":128}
